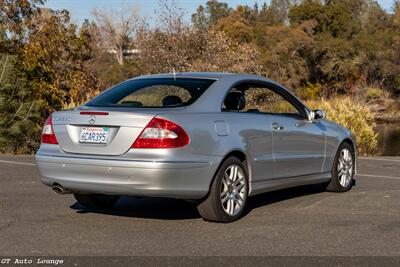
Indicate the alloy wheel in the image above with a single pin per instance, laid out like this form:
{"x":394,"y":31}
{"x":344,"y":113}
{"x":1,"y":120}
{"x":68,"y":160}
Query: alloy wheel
{"x":233,"y":190}
{"x":345,"y":167}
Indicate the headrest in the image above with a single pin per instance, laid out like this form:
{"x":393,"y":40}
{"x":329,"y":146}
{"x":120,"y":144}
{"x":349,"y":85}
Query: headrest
{"x":171,"y":100}
{"x":235,"y":101}
{"x":132,"y":103}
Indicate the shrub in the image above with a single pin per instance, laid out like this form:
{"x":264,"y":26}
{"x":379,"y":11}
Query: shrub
{"x":354,"y":116}
{"x":373,"y":93}
{"x":309,"y":91}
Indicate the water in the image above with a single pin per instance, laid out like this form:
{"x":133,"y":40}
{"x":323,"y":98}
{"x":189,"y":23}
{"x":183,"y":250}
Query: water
{"x":388,"y":139}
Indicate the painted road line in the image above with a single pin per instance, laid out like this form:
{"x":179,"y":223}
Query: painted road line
{"x":17,"y":162}
{"x":380,"y":159}
{"x":378,"y":176}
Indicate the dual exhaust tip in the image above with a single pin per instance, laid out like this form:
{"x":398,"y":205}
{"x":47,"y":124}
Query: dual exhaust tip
{"x":59,"y":189}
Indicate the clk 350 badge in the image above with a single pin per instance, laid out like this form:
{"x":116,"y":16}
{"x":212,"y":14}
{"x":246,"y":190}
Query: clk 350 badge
{"x":61,"y":119}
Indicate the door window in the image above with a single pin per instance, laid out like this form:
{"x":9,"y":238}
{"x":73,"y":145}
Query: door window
{"x":262,"y":99}
{"x":267,"y":101}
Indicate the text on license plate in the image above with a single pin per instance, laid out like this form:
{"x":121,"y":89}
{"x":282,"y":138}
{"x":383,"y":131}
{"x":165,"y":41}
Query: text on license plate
{"x":94,"y":135}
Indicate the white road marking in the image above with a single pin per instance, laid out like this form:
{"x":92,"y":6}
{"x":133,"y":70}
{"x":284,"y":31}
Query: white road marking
{"x":380,"y":159}
{"x":17,"y":162}
{"x":314,"y":204}
{"x":378,"y":176}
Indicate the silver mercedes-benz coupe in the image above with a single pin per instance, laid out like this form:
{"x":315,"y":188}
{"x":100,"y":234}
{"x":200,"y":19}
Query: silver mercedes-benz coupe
{"x":211,"y":138}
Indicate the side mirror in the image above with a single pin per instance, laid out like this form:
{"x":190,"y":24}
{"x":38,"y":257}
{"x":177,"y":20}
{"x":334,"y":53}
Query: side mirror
{"x":319,"y":114}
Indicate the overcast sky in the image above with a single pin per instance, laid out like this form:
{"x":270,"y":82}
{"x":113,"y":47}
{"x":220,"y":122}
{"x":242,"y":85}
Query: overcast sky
{"x":81,"y":9}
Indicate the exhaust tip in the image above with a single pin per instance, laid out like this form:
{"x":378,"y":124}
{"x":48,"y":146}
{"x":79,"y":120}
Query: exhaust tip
{"x":59,"y":189}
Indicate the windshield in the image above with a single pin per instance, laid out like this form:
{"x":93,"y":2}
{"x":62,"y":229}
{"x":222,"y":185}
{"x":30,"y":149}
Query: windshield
{"x":153,"y":93}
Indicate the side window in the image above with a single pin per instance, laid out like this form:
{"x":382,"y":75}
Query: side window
{"x":262,"y":99}
{"x":255,"y":98}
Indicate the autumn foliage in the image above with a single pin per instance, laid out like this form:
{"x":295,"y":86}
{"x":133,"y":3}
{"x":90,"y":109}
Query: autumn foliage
{"x":336,"y":49}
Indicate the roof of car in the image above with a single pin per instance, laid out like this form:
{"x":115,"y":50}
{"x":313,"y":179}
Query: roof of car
{"x":204,"y":75}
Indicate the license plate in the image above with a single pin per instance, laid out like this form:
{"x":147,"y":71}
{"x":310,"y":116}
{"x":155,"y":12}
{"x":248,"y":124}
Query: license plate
{"x":94,"y":135}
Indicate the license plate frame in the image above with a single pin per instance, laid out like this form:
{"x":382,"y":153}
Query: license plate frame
{"x":94,"y":135}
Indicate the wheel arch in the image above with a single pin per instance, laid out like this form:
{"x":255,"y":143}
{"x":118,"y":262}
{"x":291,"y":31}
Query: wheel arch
{"x":242,"y":156}
{"x":349,"y":141}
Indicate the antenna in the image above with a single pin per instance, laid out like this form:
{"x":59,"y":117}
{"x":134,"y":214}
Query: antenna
{"x":174,"y":73}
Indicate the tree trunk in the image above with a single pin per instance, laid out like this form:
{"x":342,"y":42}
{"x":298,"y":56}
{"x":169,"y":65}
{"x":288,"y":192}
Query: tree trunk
{"x":120,"y":55}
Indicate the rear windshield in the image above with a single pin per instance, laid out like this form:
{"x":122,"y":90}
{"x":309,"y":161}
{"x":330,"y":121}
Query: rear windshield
{"x":153,"y":93}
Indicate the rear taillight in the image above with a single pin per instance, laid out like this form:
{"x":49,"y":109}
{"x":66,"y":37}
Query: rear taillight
{"x":161,"y":133}
{"x":48,"y":136}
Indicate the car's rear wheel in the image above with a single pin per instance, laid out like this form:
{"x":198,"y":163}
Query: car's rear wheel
{"x":343,"y":169}
{"x":228,"y":194}
{"x":96,"y":201}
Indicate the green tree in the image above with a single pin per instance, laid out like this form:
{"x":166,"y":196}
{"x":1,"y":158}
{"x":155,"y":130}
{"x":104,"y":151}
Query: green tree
{"x":20,"y":121}
{"x":14,"y":19}
{"x":20,"y":112}
{"x":210,"y":14}
{"x":286,"y":52}
{"x":237,"y":25}
{"x":54,"y":62}
{"x":340,"y":18}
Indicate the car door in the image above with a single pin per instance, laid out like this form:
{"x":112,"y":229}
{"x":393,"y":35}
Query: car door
{"x":282,"y":142}
{"x":298,"y":144}
{"x":255,"y":131}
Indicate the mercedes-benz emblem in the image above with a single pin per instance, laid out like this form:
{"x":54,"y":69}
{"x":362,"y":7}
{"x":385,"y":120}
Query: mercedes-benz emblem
{"x":92,"y":119}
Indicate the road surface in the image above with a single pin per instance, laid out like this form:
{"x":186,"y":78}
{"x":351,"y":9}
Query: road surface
{"x":303,"y":221}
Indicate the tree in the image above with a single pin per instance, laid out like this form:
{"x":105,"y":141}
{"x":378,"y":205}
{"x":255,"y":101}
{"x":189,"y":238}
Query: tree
{"x":192,"y":50}
{"x":396,"y":13}
{"x":286,"y":52}
{"x":200,"y":19}
{"x":337,"y":17}
{"x":20,"y":112}
{"x":20,"y":121}
{"x":14,"y":19}
{"x":237,"y":25}
{"x":217,"y":10}
{"x":279,"y":10}
{"x":207,"y":16}
{"x":117,"y":28}
{"x":54,"y":62}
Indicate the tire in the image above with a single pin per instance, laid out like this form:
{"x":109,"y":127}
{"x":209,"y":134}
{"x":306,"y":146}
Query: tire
{"x":96,"y":201}
{"x":227,"y":198}
{"x":343,"y":169}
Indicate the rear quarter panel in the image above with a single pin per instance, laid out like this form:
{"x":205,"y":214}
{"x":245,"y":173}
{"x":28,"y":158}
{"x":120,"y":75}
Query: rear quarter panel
{"x":219,"y":133}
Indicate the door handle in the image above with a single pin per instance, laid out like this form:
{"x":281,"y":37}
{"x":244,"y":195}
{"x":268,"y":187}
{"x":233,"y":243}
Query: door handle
{"x":277,"y":126}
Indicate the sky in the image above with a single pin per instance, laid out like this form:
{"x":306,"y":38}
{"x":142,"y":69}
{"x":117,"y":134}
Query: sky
{"x":81,"y":9}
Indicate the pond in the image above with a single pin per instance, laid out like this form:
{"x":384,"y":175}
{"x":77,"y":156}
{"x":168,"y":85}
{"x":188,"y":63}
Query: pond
{"x":388,"y":139}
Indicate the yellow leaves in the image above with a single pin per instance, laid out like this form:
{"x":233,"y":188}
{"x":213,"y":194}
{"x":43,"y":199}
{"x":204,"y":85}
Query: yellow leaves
{"x":54,"y":61}
{"x":354,"y":116}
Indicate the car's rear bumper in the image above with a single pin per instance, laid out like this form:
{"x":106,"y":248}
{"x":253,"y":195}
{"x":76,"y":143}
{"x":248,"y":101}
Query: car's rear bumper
{"x":177,"y":179}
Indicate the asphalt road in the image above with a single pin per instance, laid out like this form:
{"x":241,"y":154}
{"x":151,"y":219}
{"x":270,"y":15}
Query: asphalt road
{"x":301,"y":221}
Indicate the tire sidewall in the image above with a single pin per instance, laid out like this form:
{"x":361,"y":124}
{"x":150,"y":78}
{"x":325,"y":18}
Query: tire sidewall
{"x":335,"y":178}
{"x":217,"y":184}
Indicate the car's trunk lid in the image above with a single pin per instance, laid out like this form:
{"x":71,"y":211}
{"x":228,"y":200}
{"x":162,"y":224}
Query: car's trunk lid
{"x":121,"y":128}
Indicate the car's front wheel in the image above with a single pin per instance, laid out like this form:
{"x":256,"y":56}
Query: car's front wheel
{"x":96,"y":201}
{"x":343,"y":169}
{"x":228,"y":194}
